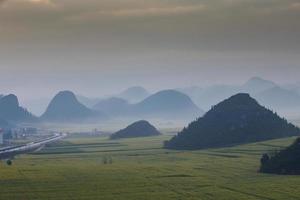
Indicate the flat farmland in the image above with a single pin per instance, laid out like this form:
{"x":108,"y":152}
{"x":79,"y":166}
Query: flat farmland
{"x":99,"y":168}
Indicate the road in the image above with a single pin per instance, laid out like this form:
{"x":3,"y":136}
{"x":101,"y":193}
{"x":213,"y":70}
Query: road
{"x":10,"y":152}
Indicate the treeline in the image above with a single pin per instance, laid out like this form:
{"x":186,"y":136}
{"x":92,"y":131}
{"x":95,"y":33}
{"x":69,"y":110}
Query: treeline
{"x":286,"y":161}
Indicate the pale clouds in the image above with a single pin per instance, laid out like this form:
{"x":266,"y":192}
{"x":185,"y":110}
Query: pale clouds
{"x":123,"y":41}
{"x":141,"y":12}
{"x":295,"y":6}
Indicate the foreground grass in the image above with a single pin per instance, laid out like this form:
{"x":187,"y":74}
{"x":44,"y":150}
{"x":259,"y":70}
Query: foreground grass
{"x":141,"y":169}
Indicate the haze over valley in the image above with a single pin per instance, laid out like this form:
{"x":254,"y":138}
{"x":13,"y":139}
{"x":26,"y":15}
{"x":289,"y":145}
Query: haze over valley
{"x":282,"y":98}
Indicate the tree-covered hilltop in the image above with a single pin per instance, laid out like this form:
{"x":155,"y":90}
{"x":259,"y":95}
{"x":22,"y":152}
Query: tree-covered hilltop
{"x":140,"y":128}
{"x":237,"y":120}
{"x":286,"y":161}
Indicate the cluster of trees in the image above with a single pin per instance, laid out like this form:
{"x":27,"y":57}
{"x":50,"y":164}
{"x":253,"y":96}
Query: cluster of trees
{"x":237,"y":120}
{"x":286,"y":161}
{"x":107,"y":160}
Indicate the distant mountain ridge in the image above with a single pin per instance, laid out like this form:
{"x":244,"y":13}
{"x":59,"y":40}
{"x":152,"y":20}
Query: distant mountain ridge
{"x":268,"y":93}
{"x":113,"y":106}
{"x":277,"y":97}
{"x":88,"y":101}
{"x":237,"y":120}
{"x":167,"y":104}
{"x":65,"y":107}
{"x":256,"y":85}
{"x":134,"y":94}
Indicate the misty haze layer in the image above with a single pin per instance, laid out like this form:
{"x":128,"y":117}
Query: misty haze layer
{"x":93,"y":47}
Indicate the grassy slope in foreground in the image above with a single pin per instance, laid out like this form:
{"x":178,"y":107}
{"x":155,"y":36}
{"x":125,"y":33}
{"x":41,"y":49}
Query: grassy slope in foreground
{"x":141,"y":169}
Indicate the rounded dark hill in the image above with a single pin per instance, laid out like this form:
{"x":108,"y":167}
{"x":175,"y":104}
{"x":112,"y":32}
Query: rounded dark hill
{"x":10,"y":110}
{"x":286,"y":161}
{"x":65,"y":107}
{"x":112,"y":106}
{"x":169,"y":104}
{"x":137,"y":129}
{"x":237,"y":120}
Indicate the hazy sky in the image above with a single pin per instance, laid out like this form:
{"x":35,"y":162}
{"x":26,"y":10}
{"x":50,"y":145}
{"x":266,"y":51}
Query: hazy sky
{"x":95,"y":47}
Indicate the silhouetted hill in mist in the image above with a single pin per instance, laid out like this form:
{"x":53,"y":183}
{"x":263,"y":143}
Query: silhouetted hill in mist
{"x":256,"y":85}
{"x":278,"y":97}
{"x":266,"y":92}
{"x":134,"y":94}
{"x":214,"y":94}
{"x":11,"y":111}
{"x":140,"y":128}
{"x":88,"y":101}
{"x":113,"y":106}
{"x":167,"y":104}
{"x":65,"y":107}
{"x":237,"y":120}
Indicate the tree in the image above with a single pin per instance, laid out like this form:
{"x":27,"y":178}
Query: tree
{"x":286,"y":161}
{"x":264,"y":159}
{"x":9,"y":162}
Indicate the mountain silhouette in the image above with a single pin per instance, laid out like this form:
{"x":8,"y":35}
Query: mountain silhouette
{"x":278,"y":98}
{"x":134,"y":94}
{"x":214,"y":94}
{"x":113,"y":106}
{"x":65,"y":107}
{"x":11,"y":111}
{"x":140,"y":128}
{"x":286,"y":161}
{"x":256,"y":85}
{"x":237,"y":120}
{"x":167,"y":104}
{"x":87,"y":101}
{"x":207,"y":97}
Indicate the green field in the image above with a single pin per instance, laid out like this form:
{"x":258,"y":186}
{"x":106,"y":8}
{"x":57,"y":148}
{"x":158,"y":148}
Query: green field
{"x":141,"y":169}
